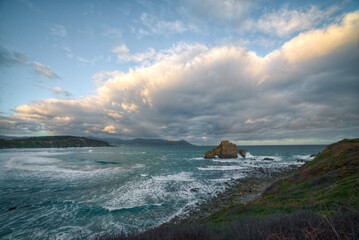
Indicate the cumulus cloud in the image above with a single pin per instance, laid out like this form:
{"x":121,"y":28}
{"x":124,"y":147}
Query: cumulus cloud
{"x":124,"y":55}
{"x":44,"y":70}
{"x":13,"y":126}
{"x":308,"y":88}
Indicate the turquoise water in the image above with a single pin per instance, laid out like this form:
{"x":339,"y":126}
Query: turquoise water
{"x":81,"y":192}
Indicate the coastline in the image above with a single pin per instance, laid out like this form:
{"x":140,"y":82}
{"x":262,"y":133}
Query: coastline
{"x":241,"y":190}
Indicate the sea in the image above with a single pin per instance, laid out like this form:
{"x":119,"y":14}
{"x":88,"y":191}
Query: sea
{"x":71,"y":193}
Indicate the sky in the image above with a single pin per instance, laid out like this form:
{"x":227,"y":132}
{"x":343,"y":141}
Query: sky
{"x":252,"y":72}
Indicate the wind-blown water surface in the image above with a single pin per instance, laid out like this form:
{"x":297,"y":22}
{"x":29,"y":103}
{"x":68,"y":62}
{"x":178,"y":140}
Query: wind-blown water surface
{"x":73,"y":192}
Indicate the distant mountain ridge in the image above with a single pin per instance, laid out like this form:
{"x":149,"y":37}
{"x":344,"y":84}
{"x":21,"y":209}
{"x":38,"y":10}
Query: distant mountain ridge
{"x":52,"y":142}
{"x":147,"y":142}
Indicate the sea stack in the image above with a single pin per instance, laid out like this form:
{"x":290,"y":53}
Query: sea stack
{"x":225,"y":149}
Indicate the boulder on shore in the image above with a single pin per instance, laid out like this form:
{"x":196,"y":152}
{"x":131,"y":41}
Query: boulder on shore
{"x":225,"y":150}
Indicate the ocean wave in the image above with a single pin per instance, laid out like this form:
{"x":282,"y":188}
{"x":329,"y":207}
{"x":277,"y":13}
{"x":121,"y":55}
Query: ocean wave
{"x":231,"y":160}
{"x":182,"y":177}
{"x":304,"y":157}
{"x":249,"y":155}
{"x":220,"y":168}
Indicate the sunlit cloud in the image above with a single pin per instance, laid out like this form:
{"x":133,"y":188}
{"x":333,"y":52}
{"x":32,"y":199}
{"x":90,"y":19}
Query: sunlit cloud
{"x":124,"y":55}
{"x":305,"y":88}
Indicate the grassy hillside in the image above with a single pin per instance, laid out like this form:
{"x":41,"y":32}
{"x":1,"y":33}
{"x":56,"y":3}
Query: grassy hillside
{"x":330,"y":181}
{"x":52,"y":142}
{"x":318,"y":201}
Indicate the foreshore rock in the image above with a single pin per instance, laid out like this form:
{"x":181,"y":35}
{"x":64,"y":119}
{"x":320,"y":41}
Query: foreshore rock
{"x":225,"y":149}
{"x":240,"y":190}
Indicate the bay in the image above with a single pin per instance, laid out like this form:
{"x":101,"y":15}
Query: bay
{"x":80,"y":192}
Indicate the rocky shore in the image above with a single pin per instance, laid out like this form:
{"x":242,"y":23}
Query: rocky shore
{"x":241,"y":190}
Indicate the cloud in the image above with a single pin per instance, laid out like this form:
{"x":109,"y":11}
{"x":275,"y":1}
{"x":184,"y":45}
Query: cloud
{"x":285,"y":22}
{"x":238,"y":16}
{"x":124,"y":55}
{"x":44,"y":70}
{"x":112,"y":32}
{"x":306,"y":89}
{"x":8,"y":58}
{"x":231,"y":13}
{"x":16,"y":126}
{"x":85,"y":60}
{"x":57,"y":91}
{"x":151,"y":25}
{"x":58,"y":30}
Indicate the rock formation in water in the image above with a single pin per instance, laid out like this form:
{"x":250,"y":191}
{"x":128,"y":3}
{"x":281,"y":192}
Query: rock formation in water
{"x":225,"y":150}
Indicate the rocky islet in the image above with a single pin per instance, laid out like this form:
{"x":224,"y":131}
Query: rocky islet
{"x":225,"y":149}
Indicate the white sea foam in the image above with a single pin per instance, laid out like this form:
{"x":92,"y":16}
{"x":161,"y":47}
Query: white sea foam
{"x":49,"y":165}
{"x":151,"y":193}
{"x":138,"y":165}
{"x":182,"y":176}
{"x":230,"y":177}
{"x":249,"y":155}
{"x":275,"y":158}
{"x":304,"y":157}
{"x":231,"y":160}
{"x":220,"y":168}
{"x":136,"y":194}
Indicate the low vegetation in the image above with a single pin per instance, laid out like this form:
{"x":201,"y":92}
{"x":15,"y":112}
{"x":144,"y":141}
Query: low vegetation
{"x":318,"y":201}
{"x":52,"y":142}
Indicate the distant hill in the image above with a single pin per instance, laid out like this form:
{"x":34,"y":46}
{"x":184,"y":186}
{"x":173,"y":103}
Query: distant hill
{"x":8,"y":138}
{"x":147,"y":142}
{"x":52,"y":142}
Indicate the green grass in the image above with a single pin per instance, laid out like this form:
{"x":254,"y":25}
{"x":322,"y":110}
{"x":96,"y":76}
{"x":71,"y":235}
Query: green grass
{"x":329,"y":182}
{"x":318,"y":201}
{"x":52,"y":141}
